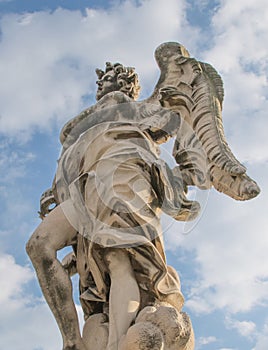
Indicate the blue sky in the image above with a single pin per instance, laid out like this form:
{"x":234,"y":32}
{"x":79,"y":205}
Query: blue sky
{"x":48,"y":53}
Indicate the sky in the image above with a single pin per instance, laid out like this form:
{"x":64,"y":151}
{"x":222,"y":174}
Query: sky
{"x":48,"y":54}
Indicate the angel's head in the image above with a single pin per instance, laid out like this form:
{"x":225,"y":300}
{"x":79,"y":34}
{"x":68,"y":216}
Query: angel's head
{"x":116,"y":77}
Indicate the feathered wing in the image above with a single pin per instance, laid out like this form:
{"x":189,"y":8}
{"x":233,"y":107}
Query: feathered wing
{"x":238,"y":186}
{"x":195,"y":91}
{"x":216,"y":79}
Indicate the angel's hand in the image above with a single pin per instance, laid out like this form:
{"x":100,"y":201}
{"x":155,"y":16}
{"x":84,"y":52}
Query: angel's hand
{"x":47,"y":203}
{"x":174,"y":97}
{"x":167,"y":92}
{"x":69,"y":264}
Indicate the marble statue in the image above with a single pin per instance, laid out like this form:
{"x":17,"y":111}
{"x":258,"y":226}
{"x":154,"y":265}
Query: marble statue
{"x":110,"y":189}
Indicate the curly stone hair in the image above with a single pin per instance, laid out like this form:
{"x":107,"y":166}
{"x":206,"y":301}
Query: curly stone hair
{"x":127,"y":79}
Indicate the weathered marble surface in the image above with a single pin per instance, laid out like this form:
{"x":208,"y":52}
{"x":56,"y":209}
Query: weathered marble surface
{"x":110,"y":189}
{"x":156,"y":327}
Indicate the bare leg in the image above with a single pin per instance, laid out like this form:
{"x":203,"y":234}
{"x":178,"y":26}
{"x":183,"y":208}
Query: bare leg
{"x":53,"y":234}
{"x":124,"y":296}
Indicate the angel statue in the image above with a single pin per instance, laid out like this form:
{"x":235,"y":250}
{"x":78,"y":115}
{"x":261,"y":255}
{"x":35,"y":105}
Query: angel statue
{"x":110,"y":189}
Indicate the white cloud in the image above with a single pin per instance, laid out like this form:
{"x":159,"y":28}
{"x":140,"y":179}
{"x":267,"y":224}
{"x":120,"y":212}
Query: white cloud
{"x":240,"y":29}
{"x":230,"y":247}
{"x":23,"y":327}
{"x":262,"y":339}
{"x":23,"y":317}
{"x":249,"y":330}
{"x":13,"y":277}
{"x":239,"y":52}
{"x":16,"y":203}
{"x":203,"y":341}
{"x":48,"y":59}
{"x":20,"y":311}
{"x":245,"y":328}
{"x":13,"y":163}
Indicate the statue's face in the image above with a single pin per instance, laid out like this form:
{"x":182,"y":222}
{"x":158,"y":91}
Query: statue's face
{"x":106,"y":84}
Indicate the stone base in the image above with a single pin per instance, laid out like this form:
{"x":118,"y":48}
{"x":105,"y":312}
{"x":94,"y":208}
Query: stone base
{"x":159,"y":327}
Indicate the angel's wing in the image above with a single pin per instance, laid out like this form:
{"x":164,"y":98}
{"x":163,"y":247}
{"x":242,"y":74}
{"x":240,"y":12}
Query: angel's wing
{"x":195,"y":91}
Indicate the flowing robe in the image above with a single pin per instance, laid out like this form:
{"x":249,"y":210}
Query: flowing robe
{"x":106,"y":169}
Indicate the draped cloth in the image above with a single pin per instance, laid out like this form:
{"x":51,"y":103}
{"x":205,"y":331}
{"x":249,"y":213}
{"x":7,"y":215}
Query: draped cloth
{"x":107,"y":173}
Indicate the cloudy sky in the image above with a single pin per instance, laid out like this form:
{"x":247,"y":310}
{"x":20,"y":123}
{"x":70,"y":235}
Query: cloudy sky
{"x":48,"y":52}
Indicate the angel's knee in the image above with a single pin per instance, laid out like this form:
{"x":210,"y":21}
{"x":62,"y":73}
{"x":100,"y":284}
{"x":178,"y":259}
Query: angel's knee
{"x":38,"y":246}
